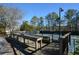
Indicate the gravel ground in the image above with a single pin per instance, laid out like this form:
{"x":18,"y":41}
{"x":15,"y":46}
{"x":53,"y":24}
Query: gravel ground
{"x":5,"y":48}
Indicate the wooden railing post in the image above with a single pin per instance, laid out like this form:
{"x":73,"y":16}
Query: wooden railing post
{"x":64,"y":44}
{"x":60,"y":48}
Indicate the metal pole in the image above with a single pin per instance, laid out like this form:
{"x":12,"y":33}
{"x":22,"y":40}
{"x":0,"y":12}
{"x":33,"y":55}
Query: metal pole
{"x":60,"y":10}
{"x":76,"y":24}
{"x":74,"y":46}
{"x":59,"y":21}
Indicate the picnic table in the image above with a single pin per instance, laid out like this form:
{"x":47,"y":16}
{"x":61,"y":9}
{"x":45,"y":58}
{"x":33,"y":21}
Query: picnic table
{"x":36,"y":39}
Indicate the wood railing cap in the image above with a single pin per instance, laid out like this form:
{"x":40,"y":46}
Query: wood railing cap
{"x":66,"y":35}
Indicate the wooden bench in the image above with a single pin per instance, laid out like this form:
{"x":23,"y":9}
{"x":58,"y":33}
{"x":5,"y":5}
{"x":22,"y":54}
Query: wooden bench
{"x":29,"y":37}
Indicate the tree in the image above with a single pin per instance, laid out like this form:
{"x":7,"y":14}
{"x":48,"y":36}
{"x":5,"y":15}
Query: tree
{"x":26,"y":27}
{"x":52,"y":18}
{"x":9,"y":17}
{"x":69,"y":15}
{"x":34,"y":20}
{"x":41,"y":23}
{"x":77,"y":20}
{"x":48,"y":18}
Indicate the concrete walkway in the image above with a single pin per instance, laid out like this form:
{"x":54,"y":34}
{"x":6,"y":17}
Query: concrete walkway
{"x":5,"y":48}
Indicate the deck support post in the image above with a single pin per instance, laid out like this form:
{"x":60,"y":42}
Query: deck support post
{"x":24,"y":40}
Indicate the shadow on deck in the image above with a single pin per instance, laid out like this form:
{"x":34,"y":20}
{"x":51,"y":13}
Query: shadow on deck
{"x":47,"y":49}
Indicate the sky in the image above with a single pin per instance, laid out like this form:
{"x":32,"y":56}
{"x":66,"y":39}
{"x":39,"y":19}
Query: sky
{"x":40,"y":9}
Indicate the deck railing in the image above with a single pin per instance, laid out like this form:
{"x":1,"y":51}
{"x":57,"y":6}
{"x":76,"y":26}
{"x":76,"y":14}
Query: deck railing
{"x":64,"y":43}
{"x":63,"y":40}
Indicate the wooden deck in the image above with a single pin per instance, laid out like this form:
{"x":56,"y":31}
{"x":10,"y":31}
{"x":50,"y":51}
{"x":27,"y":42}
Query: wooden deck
{"x":20,"y":48}
{"x":23,"y":44}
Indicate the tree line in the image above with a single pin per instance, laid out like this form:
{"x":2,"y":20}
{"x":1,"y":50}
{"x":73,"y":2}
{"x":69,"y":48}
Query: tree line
{"x":9,"y":18}
{"x":51,"y":21}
